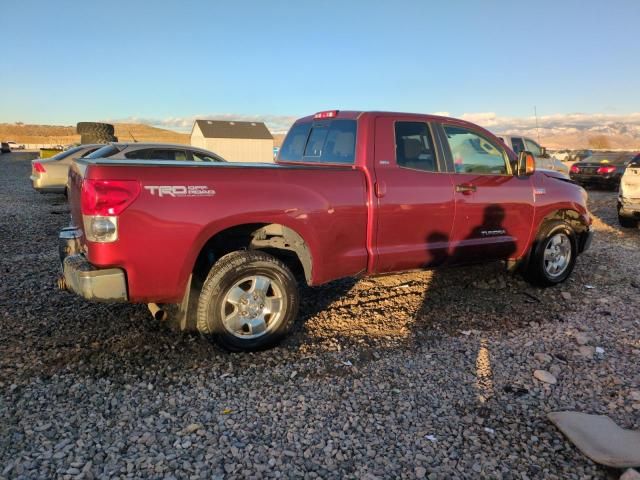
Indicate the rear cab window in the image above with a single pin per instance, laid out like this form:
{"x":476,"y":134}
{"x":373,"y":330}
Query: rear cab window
{"x":321,"y":141}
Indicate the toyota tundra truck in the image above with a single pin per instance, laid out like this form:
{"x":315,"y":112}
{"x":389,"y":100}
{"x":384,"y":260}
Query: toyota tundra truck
{"x":351,"y":194}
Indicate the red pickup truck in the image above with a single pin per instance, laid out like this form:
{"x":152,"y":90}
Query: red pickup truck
{"x":351,"y":194}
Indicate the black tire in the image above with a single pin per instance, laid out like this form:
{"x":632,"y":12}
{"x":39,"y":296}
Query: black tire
{"x":227,"y":275}
{"x":627,"y":222}
{"x":94,"y":128}
{"x":88,"y":139}
{"x":537,"y":272}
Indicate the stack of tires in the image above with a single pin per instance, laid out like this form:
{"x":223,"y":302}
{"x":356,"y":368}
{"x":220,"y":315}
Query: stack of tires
{"x":93,"y":132}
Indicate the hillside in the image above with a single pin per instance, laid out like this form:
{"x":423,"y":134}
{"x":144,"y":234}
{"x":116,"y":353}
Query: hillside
{"x":64,"y":135}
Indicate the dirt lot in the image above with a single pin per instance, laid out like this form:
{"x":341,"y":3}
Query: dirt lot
{"x":422,"y":374}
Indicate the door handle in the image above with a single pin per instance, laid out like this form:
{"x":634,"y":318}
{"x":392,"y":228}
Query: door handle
{"x":466,"y":188}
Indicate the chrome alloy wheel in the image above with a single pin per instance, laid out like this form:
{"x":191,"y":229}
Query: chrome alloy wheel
{"x":252,"y":307}
{"x":557,"y":255}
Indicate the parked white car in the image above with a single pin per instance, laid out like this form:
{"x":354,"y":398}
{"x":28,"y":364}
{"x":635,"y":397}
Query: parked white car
{"x":518,"y":144}
{"x":15,"y":146}
{"x":629,"y":195}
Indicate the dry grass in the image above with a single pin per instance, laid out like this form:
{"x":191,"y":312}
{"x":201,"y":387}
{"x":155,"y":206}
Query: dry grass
{"x":64,"y":135}
{"x":126,"y":132}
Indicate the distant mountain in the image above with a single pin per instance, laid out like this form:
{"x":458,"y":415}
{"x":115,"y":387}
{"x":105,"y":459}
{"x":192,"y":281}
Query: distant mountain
{"x":574,"y":131}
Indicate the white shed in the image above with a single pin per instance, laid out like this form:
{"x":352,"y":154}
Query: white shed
{"x":234,"y":141}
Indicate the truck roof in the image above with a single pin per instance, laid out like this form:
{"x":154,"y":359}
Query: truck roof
{"x":356,"y":114}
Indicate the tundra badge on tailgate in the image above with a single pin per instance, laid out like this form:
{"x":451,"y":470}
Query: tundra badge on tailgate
{"x":180,"y":190}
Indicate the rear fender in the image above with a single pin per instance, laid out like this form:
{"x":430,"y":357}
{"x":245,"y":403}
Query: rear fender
{"x":259,"y":234}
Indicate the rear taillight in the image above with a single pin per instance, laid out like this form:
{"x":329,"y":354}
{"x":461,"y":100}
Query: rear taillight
{"x":575,"y":169}
{"x":38,"y":167}
{"x":108,"y":197}
{"x":606,"y":170}
{"x":101,"y":202}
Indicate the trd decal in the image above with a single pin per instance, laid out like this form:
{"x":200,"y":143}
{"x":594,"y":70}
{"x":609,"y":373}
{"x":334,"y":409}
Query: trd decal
{"x":180,"y":190}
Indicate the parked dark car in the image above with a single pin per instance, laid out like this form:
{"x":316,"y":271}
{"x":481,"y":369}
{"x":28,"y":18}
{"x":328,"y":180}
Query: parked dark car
{"x":581,"y":155}
{"x":603,"y":169}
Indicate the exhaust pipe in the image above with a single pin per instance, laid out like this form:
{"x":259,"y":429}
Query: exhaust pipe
{"x":157,"y":312}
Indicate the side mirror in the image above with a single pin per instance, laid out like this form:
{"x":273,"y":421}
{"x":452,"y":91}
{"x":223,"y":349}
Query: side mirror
{"x":526,"y":164}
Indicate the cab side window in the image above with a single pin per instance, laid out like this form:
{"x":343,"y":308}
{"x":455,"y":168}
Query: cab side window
{"x":414,"y":147}
{"x":533,"y":147}
{"x":472,"y":153}
{"x":518,"y":144}
{"x":164,"y":154}
{"x":203,"y":157}
{"x":141,"y":154}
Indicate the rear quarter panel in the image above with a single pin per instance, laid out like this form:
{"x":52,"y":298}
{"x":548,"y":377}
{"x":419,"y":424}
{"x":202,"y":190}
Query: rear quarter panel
{"x":160,"y":237}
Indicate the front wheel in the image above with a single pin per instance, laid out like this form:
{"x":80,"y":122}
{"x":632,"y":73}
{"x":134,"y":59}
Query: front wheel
{"x":627,"y":222}
{"x":553,"y":256}
{"x":248,"y":302}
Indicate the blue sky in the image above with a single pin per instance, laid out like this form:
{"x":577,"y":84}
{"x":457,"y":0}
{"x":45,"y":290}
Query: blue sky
{"x":167,"y":62}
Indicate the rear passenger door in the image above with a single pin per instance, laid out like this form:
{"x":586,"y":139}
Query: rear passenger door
{"x":493,"y":208}
{"x":414,"y":194}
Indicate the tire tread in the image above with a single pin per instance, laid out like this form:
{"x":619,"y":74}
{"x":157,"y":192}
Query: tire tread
{"x":211,"y":288}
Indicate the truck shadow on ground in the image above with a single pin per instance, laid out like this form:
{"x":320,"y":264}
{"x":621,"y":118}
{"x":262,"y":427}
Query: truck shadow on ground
{"x":415,"y":308}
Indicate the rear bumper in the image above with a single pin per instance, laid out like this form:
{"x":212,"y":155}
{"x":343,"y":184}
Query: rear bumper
{"x":629,"y":208}
{"x":83,"y":278}
{"x":41,"y":185}
{"x":602,"y":180}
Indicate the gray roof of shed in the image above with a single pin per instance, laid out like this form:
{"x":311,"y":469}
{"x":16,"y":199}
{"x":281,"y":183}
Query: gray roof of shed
{"x":233,"y":129}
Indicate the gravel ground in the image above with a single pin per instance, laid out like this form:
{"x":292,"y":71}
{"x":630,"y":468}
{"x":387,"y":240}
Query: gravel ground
{"x":421,"y":374}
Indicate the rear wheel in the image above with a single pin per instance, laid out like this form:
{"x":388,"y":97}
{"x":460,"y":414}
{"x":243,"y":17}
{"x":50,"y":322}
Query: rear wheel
{"x":627,"y":222}
{"x":248,"y":302}
{"x":553,"y":256}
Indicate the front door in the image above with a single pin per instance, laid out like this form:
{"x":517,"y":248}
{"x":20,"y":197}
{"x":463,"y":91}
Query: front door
{"x":494,"y":208}
{"x":415,"y":196}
